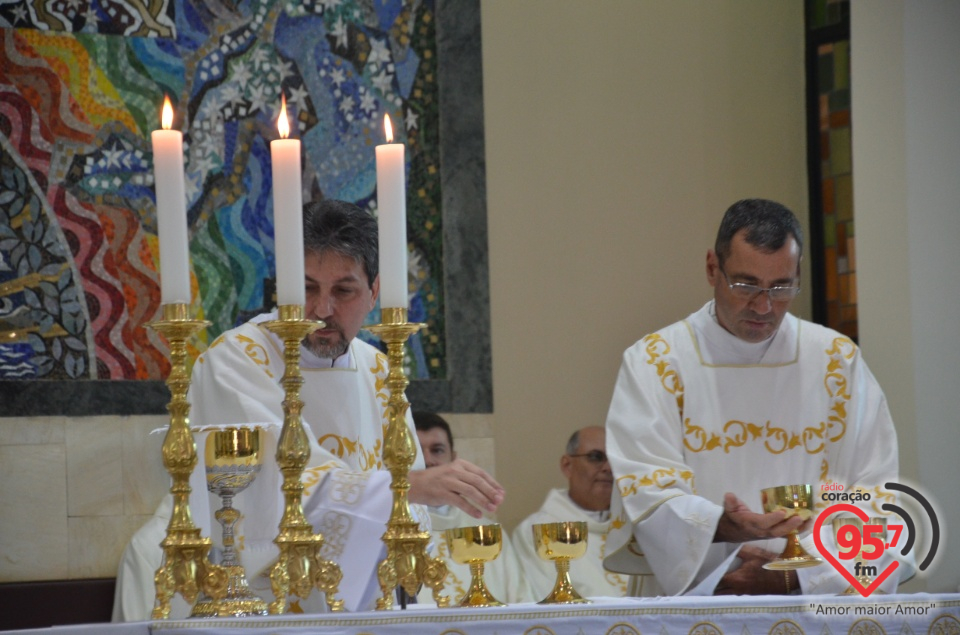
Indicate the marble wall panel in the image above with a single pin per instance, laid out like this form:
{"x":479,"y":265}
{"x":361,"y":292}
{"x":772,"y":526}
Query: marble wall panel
{"x":32,"y":430}
{"x":33,"y":524}
{"x":94,"y":456}
{"x":96,"y":543}
{"x":145,"y":480}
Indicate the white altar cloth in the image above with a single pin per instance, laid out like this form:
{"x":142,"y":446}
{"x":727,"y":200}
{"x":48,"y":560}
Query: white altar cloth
{"x":914,"y":614}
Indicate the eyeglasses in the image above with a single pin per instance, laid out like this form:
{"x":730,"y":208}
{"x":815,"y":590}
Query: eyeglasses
{"x":593,"y":456}
{"x":751,"y":291}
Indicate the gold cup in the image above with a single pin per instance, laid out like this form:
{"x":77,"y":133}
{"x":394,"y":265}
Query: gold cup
{"x":476,"y":546}
{"x":796,"y":500}
{"x":561,"y":542}
{"x":860,"y":571}
{"x":233,"y":460}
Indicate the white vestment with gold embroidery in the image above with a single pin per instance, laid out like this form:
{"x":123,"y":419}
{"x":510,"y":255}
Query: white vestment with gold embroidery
{"x":502,"y":576}
{"x":696,"y":413}
{"x":346,"y":489}
{"x":587,"y":574}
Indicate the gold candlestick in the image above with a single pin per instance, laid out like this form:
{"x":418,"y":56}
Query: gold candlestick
{"x":300,"y":567}
{"x":186,"y":568}
{"x":407,"y":562}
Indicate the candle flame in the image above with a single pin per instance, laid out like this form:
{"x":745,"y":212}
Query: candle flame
{"x":388,"y":128}
{"x":282,"y":124}
{"x":166,"y":114}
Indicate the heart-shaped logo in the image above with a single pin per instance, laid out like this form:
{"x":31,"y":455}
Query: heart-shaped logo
{"x":859,"y":513}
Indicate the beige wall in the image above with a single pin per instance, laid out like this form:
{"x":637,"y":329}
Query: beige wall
{"x":906,"y":148}
{"x":617,"y":134}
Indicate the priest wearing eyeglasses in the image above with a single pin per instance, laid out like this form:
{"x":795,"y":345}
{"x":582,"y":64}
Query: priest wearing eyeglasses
{"x":587,"y":498}
{"x":741,"y":396}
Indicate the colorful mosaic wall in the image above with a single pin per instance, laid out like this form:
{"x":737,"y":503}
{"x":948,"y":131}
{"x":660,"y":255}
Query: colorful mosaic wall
{"x":836,"y":175}
{"x":81,"y":84}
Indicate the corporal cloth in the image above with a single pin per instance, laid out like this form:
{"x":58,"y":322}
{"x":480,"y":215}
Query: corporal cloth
{"x":346,"y":490}
{"x":503,"y":576}
{"x":696,"y":413}
{"x":587,"y":573}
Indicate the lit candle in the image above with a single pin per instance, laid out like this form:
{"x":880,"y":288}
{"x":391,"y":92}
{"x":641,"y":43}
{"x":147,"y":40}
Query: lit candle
{"x":392,"y":211}
{"x":171,"y":210}
{"x":287,"y":214}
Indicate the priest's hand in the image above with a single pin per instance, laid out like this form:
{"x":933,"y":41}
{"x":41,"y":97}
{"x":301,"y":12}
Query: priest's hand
{"x":458,"y":483}
{"x":739,"y":524}
{"x":750,"y":578}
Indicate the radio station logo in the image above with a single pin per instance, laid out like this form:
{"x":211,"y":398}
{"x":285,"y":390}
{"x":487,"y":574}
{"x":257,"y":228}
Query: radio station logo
{"x":864,"y":540}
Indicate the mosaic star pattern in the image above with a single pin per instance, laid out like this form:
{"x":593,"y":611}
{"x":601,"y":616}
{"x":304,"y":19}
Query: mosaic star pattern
{"x":81,"y":83}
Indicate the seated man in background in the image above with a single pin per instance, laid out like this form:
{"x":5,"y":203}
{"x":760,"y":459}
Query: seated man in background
{"x":347,"y":495}
{"x":503,"y":576}
{"x":587,"y":498}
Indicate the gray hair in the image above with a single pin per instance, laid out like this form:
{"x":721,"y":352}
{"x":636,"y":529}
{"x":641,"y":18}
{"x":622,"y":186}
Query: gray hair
{"x":768,"y":225}
{"x":573,"y":445}
{"x":345,"y":229}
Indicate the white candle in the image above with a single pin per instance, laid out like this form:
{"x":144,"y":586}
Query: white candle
{"x":392,"y":212}
{"x":171,"y":210}
{"x":287,"y":214}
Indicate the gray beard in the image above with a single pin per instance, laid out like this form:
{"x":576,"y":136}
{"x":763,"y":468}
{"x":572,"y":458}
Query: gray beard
{"x":326,"y":351}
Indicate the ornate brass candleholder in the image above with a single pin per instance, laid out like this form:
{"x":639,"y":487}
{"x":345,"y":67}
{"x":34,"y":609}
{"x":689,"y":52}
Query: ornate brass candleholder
{"x":407,"y":562}
{"x":865,"y":580}
{"x":796,"y":500}
{"x":475,"y":546}
{"x":300,"y":567}
{"x":561,"y":542}
{"x":233,"y":460}
{"x":185,"y":569}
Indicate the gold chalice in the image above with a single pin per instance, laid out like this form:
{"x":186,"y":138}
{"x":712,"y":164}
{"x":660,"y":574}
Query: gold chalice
{"x":859,"y":567}
{"x":475,"y":546}
{"x":561,"y":542}
{"x":796,"y":500}
{"x":233,"y":459}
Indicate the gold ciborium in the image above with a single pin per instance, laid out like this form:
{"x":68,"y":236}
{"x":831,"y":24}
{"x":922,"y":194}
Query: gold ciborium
{"x":475,"y":546}
{"x":796,"y":500}
{"x":860,"y":569}
{"x":561,"y":542}
{"x":233,"y":460}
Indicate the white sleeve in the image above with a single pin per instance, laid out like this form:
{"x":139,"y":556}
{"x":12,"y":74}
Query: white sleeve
{"x":673,"y":526}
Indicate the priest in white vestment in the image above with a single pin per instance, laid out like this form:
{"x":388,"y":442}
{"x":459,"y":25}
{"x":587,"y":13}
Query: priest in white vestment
{"x":587,"y":499}
{"x":738,"y":397}
{"x":502,"y":576}
{"x":346,"y":488}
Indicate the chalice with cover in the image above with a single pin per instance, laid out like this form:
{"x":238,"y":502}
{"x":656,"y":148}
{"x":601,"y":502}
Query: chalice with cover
{"x":561,"y":542}
{"x":475,"y":546}
{"x":233,"y":459}
{"x":849,"y":532}
{"x":796,"y":500}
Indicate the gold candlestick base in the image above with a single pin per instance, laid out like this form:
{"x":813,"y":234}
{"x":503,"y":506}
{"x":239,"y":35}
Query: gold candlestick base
{"x":186,"y":569}
{"x":300,"y":567}
{"x":407,"y":563}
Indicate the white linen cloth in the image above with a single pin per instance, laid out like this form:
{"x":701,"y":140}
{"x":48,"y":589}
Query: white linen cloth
{"x":696,"y":413}
{"x":346,"y":489}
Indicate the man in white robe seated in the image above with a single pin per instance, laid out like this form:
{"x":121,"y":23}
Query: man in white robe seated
{"x":503,"y":576}
{"x":738,"y":397}
{"x":346,"y":489}
{"x":587,"y":498}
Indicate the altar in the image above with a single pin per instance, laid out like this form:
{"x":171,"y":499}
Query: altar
{"x":934,"y":614}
